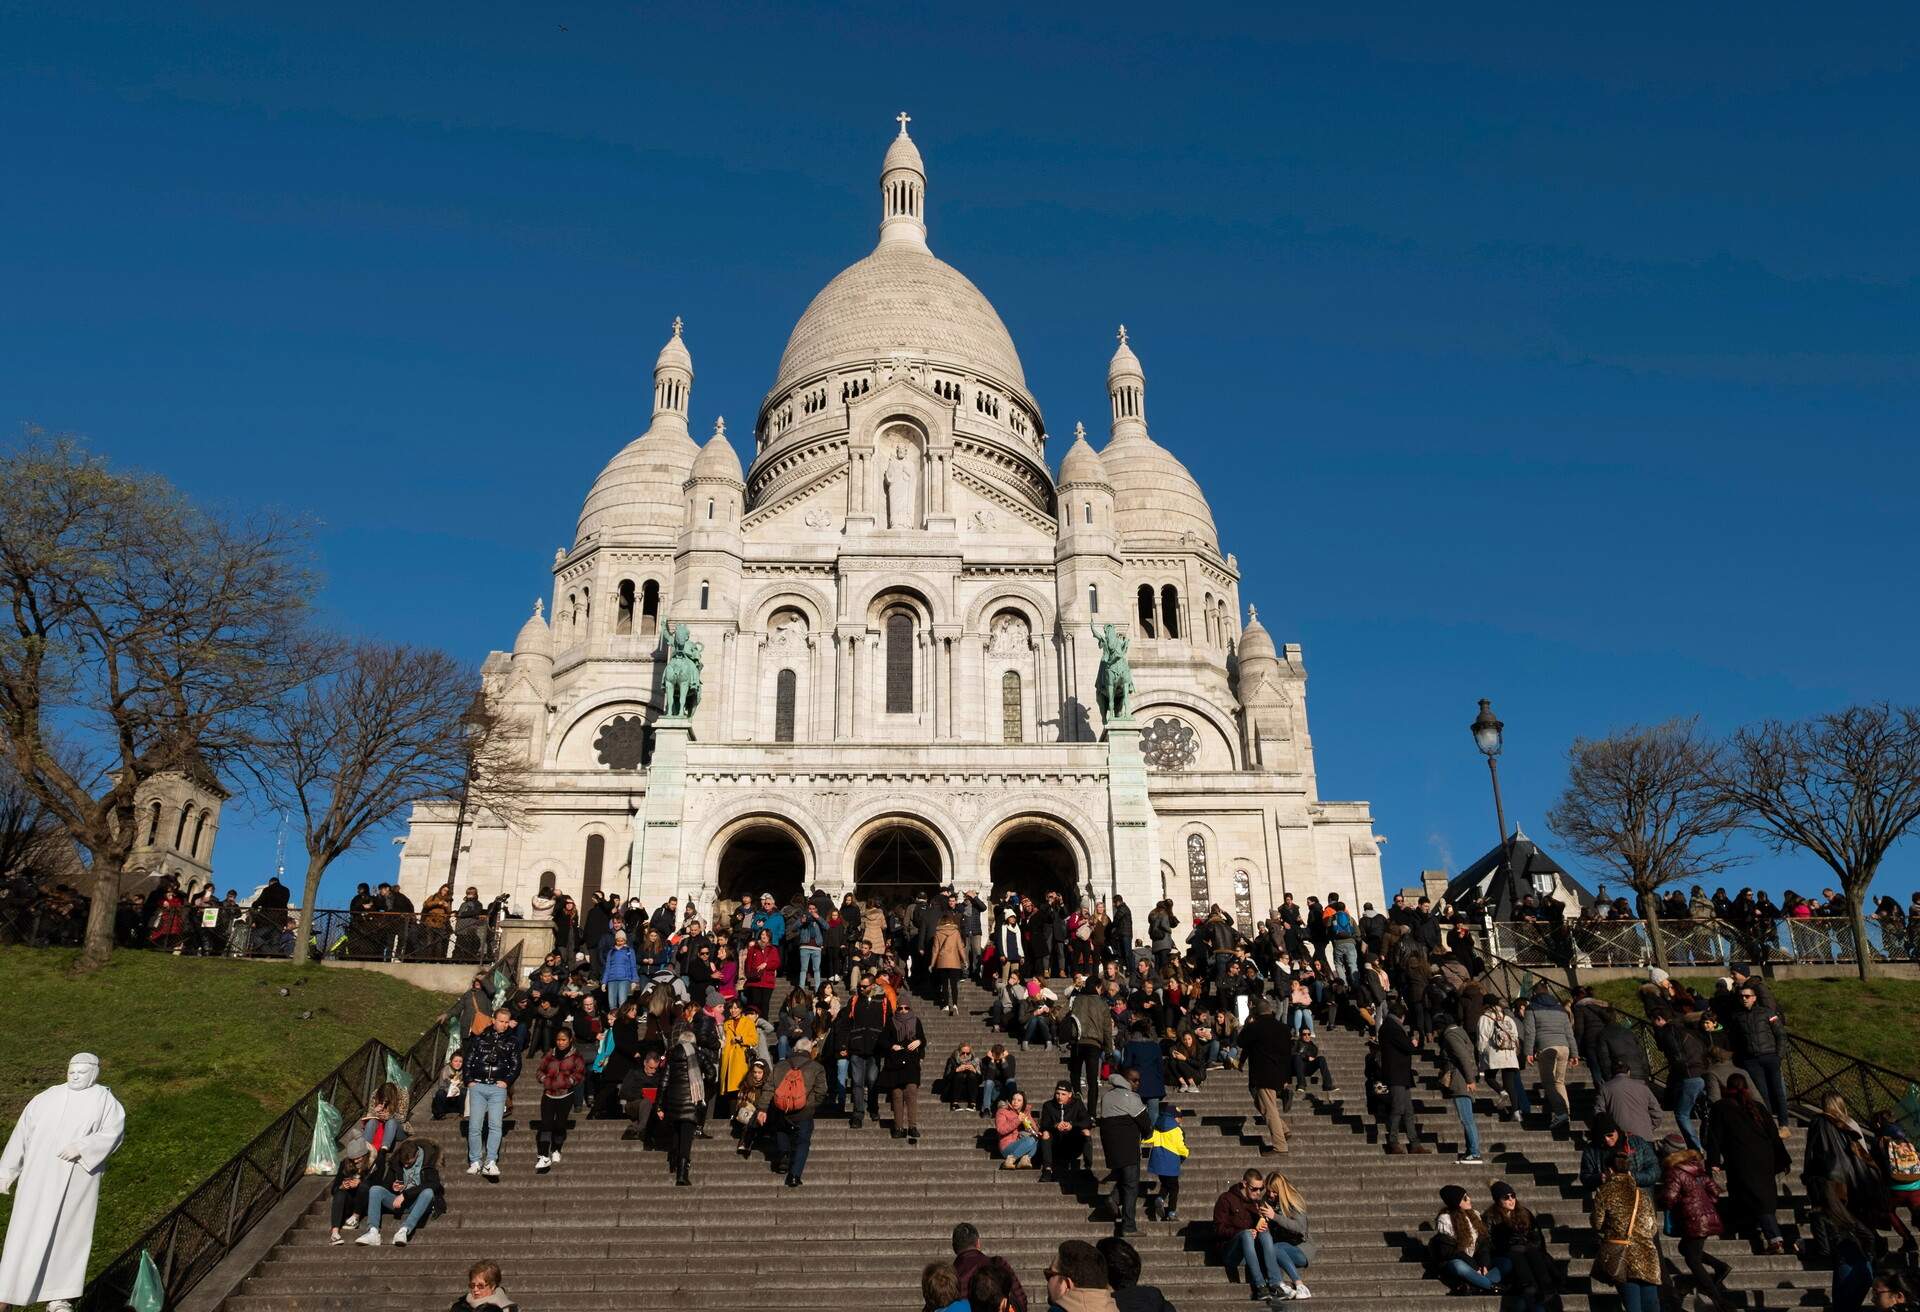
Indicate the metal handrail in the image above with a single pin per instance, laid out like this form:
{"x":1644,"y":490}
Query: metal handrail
{"x":1809,"y":1068}
{"x":268,"y":932}
{"x":1823,"y":940}
{"x":196,"y":1236}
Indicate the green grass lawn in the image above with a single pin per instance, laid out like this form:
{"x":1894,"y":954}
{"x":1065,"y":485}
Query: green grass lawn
{"x":1878,"y":1020}
{"x":202,"y":1053}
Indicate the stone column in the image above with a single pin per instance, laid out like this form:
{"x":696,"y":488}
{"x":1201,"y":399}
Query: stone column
{"x":863,"y":685}
{"x":819,"y":698}
{"x":655,"y":872}
{"x":1135,"y":829}
{"x":746,"y":687}
{"x":943,"y":640}
{"x":843,"y":662}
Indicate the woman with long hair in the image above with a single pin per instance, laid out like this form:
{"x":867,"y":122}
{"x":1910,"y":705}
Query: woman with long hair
{"x":1743,"y":1140}
{"x":1293,"y":1240}
{"x":1528,"y":1277}
{"x":1017,"y":1135}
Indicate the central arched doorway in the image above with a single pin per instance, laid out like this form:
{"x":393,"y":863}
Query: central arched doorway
{"x":896,"y":863}
{"x":761,"y":857}
{"x":1033,"y":858}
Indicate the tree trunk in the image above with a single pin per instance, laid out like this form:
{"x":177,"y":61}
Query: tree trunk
{"x":1857,"y":912}
{"x":303,"y":929}
{"x":1654,"y":936}
{"x":97,"y":946}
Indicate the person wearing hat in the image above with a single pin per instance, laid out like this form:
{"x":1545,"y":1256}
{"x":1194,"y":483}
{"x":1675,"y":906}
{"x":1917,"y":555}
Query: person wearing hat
{"x":348,"y":1197}
{"x":1065,"y":1124}
{"x":1529,"y":1279}
{"x":1463,"y":1242}
{"x":799,"y":1086}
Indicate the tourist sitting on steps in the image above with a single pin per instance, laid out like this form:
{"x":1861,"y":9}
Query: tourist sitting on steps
{"x":748,"y":1100}
{"x":1243,"y":1235}
{"x":960,"y":1082}
{"x":1531,"y":1282}
{"x":1293,"y":1246}
{"x":1064,"y":1138}
{"x":1462,"y":1246}
{"x":406,"y":1183}
{"x":997,"y":1077}
{"x":1015,"y":1133}
{"x":347,"y":1199}
{"x":484,"y":1291}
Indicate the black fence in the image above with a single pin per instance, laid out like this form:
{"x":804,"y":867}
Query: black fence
{"x":1810,"y":1069}
{"x":196,"y":1236}
{"x":268,"y":933}
{"x":1818,"y":941}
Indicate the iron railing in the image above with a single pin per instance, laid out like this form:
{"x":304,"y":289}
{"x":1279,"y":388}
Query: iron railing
{"x":268,"y":932}
{"x":192,"y":1239}
{"x":1810,"y":1069}
{"x":1811,"y":941}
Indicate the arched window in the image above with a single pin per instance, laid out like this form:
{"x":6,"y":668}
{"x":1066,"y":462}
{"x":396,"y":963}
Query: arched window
{"x":1226,"y":624}
{"x":706,"y":594}
{"x":1086,"y":512}
{"x":1170,"y":611}
{"x":590,"y":869}
{"x":1093,"y":598}
{"x":573,"y":611}
{"x":650,"y":608}
{"x":623,"y":618}
{"x":1197,"y":885}
{"x":586,"y":602}
{"x":199,"y":832}
{"x":786,"y":691}
{"x":1147,"y":628}
{"x":1208,"y":618}
{"x":1010,"y":717}
{"x":709,"y":507}
{"x":153,"y":825}
{"x":899,"y":635}
{"x":180,"y":830}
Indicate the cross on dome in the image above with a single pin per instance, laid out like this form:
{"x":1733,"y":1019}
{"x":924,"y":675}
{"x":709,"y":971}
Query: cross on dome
{"x":537,"y":604}
{"x":719,"y":426}
{"x":1080,"y":432}
{"x":677,"y":326}
{"x":1253,"y":613}
{"x":903,"y":118}
{"x":1123,"y":334}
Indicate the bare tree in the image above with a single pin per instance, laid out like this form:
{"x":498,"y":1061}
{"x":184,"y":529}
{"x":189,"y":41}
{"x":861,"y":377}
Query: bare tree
{"x":385,"y":727}
{"x":140,"y":635}
{"x":29,"y":839}
{"x":1647,"y":803}
{"x":1844,"y":786}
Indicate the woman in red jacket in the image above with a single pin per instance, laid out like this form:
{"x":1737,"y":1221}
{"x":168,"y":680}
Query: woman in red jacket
{"x":1692,"y":1201}
{"x":561,"y":1072}
{"x":761,"y":972}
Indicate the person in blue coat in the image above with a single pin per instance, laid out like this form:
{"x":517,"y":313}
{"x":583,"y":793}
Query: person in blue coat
{"x":621,"y":971}
{"x":1143,"y":1054}
{"x":1166,"y":1153}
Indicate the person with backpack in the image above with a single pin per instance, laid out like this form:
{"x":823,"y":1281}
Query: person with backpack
{"x":1345,"y":939}
{"x":799,"y":1086}
{"x":1500,"y":1056}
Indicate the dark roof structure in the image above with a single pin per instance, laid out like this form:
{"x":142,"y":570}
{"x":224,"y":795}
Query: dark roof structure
{"x":1507,"y":874}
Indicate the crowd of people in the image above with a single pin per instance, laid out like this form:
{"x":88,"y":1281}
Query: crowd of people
{"x":668,"y":1023}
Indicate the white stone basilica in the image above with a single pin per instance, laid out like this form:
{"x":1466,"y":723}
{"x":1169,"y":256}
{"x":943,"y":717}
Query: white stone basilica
{"x":896,"y":605}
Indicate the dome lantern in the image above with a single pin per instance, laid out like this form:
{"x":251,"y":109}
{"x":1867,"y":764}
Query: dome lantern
{"x":672,"y":382}
{"x":1127,"y":391}
{"x":903,"y":191}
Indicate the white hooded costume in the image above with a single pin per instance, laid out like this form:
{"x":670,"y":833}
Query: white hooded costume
{"x":57,"y":1154}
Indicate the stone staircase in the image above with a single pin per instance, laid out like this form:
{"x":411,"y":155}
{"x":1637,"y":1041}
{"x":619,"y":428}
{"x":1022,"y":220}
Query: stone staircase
{"x":607,"y":1229}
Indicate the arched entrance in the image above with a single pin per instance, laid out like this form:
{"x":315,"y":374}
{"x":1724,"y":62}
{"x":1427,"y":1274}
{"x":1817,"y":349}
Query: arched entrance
{"x":1033,"y":858}
{"x":761,"y":857}
{"x":895,"y":863}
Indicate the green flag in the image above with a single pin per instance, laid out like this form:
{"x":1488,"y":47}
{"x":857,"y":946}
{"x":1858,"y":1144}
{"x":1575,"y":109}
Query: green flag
{"x":499,"y":982}
{"x":148,"y":1295}
{"x":323,"y":1157}
{"x":455,"y":1035}
{"x":397,"y":1074}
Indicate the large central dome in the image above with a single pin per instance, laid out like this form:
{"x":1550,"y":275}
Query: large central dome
{"x":902,"y":298}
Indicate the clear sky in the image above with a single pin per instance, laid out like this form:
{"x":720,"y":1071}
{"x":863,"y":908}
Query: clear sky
{"x":1568,"y":360}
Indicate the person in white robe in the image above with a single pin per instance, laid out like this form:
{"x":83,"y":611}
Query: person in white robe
{"x":57,"y":1154}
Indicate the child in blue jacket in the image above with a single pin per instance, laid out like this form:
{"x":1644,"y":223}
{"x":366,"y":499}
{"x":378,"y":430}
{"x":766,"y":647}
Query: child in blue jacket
{"x":1168,"y":1145}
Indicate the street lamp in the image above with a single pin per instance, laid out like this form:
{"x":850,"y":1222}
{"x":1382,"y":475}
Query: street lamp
{"x":1489,"y":737}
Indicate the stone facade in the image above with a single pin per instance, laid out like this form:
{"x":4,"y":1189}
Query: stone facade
{"x":179,"y":818}
{"x":896,"y":605}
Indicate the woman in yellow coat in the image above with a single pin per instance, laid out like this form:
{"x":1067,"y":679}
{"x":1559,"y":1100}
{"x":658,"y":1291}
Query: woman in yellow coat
{"x":739,"y":1035}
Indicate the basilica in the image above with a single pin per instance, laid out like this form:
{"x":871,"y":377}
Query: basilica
{"x":895,"y":608}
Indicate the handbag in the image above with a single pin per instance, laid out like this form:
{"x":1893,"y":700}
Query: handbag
{"x":1610,"y":1263}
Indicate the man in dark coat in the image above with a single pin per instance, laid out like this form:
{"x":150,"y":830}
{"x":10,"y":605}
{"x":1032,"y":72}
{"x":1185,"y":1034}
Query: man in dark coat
{"x":793,"y":1126}
{"x":1064,"y":1124}
{"x":1396,"y":1072}
{"x":1266,"y":1045}
{"x":1120,"y":933}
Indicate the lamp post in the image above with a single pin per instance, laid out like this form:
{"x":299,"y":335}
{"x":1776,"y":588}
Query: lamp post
{"x":1489,"y":737}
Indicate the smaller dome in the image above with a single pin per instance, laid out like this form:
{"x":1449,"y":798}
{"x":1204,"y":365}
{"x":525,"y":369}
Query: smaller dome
{"x":641,"y":494}
{"x":535,"y":638}
{"x":1155,"y":499}
{"x":674,"y":354}
{"x":1256,"y":644}
{"x":1082,"y":464}
{"x":1125,"y":364}
{"x":717,"y":458}
{"x":903,"y":154}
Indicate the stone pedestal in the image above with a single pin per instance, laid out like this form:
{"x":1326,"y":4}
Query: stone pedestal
{"x":1135,"y":830}
{"x":655,"y":873}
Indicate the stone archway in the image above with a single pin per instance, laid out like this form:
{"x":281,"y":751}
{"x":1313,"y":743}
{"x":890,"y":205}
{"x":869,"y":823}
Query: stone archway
{"x":761,"y":855}
{"x":1033,"y":857}
{"x":895,"y":861}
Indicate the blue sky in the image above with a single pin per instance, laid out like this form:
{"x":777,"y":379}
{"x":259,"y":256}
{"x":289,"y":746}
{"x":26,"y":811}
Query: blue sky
{"x":1568,"y":360}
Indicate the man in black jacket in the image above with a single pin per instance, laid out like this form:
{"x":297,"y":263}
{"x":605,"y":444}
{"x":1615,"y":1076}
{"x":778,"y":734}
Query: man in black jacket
{"x":1396,"y":1072}
{"x":1064,"y":1141}
{"x":1266,"y":1048}
{"x":492,"y":1065}
{"x":867,"y":1020}
{"x":1120,"y":933}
